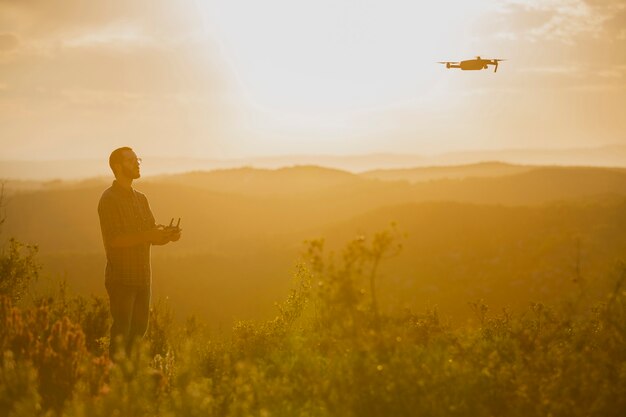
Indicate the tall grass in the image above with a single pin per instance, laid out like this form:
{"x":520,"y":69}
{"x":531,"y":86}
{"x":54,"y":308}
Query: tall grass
{"x":330,"y":350}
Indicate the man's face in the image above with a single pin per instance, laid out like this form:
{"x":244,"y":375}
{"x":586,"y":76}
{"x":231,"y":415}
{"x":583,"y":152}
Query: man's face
{"x":130,"y":165}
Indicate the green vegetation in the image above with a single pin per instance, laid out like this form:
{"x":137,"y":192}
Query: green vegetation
{"x":354,"y":335}
{"x":330,"y":350}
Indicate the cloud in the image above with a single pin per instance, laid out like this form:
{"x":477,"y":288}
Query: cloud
{"x":560,"y":43}
{"x":578,"y":70}
{"x":82,"y":74}
{"x":616,"y":24}
{"x":128,"y":46}
{"x":45,"y":27}
{"x":134,"y":69}
{"x":603,"y":88}
{"x":615,"y":71}
{"x":8,"y":42}
{"x":41,"y":18}
{"x":555,"y":70}
{"x":564,"y":21}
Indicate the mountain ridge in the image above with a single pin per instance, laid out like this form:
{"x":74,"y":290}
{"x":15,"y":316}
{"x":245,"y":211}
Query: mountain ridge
{"x":606,"y":156}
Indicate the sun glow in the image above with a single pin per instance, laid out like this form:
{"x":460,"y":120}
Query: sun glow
{"x":310,"y":62}
{"x":242,"y":78}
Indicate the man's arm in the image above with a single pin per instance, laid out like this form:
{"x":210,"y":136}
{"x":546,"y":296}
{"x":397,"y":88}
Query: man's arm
{"x":110,"y":224}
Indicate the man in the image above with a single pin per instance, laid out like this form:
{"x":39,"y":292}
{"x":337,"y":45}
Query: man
{"x":128,"y":231}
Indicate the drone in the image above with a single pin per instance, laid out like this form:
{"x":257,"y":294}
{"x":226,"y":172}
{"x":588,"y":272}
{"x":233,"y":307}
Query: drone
{"x":473,"y":64}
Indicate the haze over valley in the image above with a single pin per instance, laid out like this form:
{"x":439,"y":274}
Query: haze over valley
{"x":508,"y":234}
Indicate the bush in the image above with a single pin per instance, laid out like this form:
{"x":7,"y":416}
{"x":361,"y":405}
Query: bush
{"x":17,"y":269}
{"x":54,"y":348}
{"x":17,"y":263}
{"x":329,"y":351}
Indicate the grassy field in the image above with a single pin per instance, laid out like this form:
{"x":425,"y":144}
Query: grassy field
{"x":330,"y":350}
{"x":487,"y":290}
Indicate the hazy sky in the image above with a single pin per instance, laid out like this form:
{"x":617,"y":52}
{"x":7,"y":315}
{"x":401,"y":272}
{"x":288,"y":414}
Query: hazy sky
{"x":235,"y":78}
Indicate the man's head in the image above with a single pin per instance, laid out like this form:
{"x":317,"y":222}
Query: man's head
{"x":124,"y":163}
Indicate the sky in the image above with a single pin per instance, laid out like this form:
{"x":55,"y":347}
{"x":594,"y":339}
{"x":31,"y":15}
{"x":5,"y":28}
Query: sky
{"x":236,"y":79}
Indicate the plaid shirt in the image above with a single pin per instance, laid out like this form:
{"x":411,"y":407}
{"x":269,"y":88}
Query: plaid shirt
{"x":124,"y":211}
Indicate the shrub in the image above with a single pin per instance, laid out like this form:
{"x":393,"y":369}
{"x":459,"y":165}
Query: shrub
{"x":17,"y":269}
{"x":309,"y":360}
{"x":19,"y":396}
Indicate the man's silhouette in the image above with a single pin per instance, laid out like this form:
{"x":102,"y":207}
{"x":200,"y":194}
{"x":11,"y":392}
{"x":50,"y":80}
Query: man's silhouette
{"x":128,"y":231}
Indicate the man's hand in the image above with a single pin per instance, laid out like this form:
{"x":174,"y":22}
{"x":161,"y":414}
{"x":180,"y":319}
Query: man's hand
{"x":162,"y":235}
{"x":174,"y":230}
{"x":158,"y":236}
{"x":175,"y":235}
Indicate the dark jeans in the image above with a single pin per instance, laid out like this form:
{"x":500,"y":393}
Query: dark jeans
{"x":130,"y":308}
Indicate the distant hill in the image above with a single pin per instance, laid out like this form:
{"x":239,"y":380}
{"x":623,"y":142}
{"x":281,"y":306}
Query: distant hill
{"x":536,"y":186}
{"x":248,"y":203}
{"x":430,"y":173}
{"x":509,"y":184}
{"x":252,"y":181}
{"x":609,"y":156}
{"x":606,"y":156}
{"x":512,"y":237}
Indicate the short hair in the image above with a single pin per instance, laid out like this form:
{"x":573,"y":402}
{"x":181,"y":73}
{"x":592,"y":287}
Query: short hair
{"x":116,"y":156}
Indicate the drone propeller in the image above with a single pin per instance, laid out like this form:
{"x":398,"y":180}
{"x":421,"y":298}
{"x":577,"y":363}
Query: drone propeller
{"x":495,"y":62}
{"x":448,"y":63}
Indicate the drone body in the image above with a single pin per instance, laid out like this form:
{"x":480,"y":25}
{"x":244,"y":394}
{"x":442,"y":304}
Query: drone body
{"x":473,"y":64}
